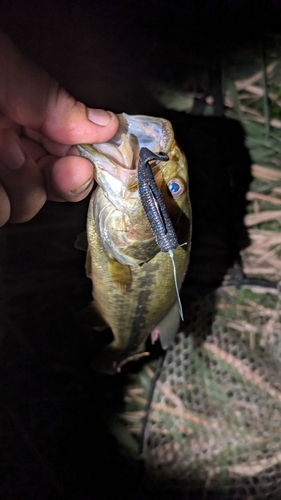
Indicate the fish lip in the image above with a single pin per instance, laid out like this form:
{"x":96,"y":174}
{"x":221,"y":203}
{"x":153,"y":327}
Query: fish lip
{"x":139,"y":131}
{"x":116,"y":161}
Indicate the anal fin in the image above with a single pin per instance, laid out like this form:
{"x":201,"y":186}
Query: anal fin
{"x":167,"y":328}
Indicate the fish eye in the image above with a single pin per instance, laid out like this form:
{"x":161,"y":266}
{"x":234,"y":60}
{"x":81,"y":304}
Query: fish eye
{"x":176,"y":187}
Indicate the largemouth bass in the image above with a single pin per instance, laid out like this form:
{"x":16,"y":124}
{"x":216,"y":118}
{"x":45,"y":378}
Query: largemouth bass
{"x":133,"y":283}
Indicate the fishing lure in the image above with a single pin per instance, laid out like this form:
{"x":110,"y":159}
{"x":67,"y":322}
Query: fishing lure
{"x":155,"y":209}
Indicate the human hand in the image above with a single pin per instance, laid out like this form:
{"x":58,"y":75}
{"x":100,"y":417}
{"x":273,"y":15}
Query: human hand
{"x":40,"y":123}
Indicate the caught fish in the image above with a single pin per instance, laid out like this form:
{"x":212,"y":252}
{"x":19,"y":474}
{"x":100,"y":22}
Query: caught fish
{"x":133,"y":280}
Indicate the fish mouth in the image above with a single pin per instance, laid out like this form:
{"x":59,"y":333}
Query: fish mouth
{"x":118,"y":158}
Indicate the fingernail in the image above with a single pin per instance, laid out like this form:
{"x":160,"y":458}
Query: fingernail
{"x":83,"y":188}
{"x":99,"y":116}
{"x":13,"y":156}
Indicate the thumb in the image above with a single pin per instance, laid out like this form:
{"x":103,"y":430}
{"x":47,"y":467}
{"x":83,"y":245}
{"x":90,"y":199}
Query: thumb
{"x":30,"y":97}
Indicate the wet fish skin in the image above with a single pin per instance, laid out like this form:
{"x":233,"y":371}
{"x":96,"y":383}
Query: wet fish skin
{"x":133,"y":283}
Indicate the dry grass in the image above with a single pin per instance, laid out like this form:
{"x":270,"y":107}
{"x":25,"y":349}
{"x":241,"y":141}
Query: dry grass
{"x":256,"y":102}
{"x":216,"y":409}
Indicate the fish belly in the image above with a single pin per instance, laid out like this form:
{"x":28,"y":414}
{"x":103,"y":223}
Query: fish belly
{"x":133,"y":313}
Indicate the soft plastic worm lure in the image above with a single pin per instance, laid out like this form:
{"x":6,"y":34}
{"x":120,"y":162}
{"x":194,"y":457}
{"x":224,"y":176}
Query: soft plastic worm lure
{"x":155,"y":209}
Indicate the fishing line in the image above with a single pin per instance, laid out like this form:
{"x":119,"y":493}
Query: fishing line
{"x":156,"y":211}
{"x":176,"y":283}
{"x":144,"y":435}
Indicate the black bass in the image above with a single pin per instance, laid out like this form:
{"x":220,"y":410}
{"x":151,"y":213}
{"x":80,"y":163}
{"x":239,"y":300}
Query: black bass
{"x":133,"y":283}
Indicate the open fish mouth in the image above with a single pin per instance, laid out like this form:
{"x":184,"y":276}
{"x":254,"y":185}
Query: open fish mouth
{"x":117,"y":210}
{"x":118,"y":158}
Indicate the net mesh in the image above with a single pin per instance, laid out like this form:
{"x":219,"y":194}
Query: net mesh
{"x":214,"y":421}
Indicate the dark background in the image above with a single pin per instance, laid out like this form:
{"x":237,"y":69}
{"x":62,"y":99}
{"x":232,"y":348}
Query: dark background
{"x":53,"y":437}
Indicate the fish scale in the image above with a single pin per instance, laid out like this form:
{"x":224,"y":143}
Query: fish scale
{"x":130,"y":323}
{"x":133,"y":281}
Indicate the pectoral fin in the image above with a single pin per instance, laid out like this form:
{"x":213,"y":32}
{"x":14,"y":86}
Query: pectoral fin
{"x":81,"y":242}
{"x":93,"y":325}
{"x":120,"y":274}
{"x":90,"y":317}
{"x":168,"y":327}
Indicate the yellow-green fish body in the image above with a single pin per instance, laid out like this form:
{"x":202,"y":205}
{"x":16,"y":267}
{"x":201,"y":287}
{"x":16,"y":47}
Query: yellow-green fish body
{"x":133,"y":282}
